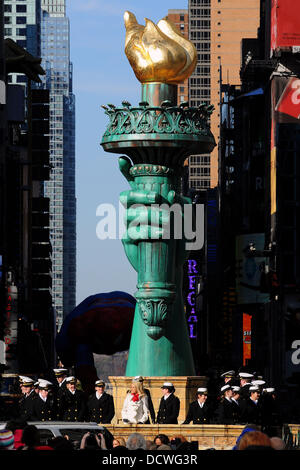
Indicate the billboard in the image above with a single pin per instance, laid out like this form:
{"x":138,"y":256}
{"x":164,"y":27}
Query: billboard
{"x":285,"y":26}
{"x":246,"y":338}
{"x":285,"y":106}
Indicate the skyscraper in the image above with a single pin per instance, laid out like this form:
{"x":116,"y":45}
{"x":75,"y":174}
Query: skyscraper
{"x":216,"y":27}
{"x":55,"y":51}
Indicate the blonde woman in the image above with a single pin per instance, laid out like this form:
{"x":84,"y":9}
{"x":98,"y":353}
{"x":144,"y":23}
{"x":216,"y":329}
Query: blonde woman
{"x":135,"y":408}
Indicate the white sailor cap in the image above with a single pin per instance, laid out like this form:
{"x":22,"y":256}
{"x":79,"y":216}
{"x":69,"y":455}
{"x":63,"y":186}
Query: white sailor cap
{"x":269,"y":390}
{"x":167,"y":385}
{"x":258,"y":382}
{"x":99,"y":383}
{"x":245,"y":375}
{"x":25,"y":381}
{"x":202,"y":390}
{"x":44,"y":384}
{"x":71,"y":379}
{"x":60,"y":372}
{"x":229,"y":373}
{"x":225,"y":387}
{"x":254,"y":388}
{"x":236,"y":388}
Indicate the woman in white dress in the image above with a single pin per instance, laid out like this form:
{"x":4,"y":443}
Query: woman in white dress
{"x":135,"y":408}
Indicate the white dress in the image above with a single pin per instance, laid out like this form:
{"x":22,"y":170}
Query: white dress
{"x":135,"y":411}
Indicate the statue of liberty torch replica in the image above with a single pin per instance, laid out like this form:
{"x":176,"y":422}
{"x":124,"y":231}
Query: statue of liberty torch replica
{"x":157,"y":136}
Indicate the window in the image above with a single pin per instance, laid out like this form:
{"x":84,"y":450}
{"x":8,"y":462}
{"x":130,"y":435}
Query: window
{"x":7,"y":8}
{"x":21,"y":31}
{"x":21,"y":20}
{"x":7,"y":19}
{"x":181,"y":17}
{"x":21,"y":8}
{"x":7,"y":31}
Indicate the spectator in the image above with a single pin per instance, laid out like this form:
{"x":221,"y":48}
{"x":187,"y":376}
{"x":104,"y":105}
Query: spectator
{"x":16,"y":426}
{"x":164,"y":447}
{"x":255,"y":440}
{"x":90,"y":441}
{"x":136,"y":441}
{"x":6,"y":440}
{"x":248,"y":428}
{"x":31,"y":439}
{"x":60,"y":443}
{"x":277,"y":443}
{"x":119,"y":442}
{"x":161,"y":439}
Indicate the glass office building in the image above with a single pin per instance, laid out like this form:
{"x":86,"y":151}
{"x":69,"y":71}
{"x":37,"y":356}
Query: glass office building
{"x":55,"y":49}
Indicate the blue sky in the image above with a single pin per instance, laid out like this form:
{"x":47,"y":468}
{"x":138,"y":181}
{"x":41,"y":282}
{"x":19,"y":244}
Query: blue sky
{"x":102,"y":74}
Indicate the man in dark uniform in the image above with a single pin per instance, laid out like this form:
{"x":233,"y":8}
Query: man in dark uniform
{"x":139,"y":378}
{"x":72,"y":402}
{"x":61,"y":387}
{"x":251,"y":407}
{"x":245,"y":383}
{"x":43,"y":405}
{"x":225,"y":410}
{"x":169,"y":405}
{"x":26,"y":402}
{"x":236,"y":402}
{"x":100,"y":405}
{"x":200,"y":412}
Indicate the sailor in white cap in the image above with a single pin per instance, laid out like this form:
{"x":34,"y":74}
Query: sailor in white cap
{"x":60,"y":375}
{"x":72,"y":402}
{"x":271,"y":413}
{"x":43,"y":405}
{"x":100,"y":405}
{"x":228,"y":377}
{"x":26,"y":402}
{"x":199,"y":412}
{"x":252,"y":407}
{"x":245,"y":383}
{"x":225,"y":410}
{"x":140,"y":378}
{"x":169,"y":405}
{"x":236,"y":402}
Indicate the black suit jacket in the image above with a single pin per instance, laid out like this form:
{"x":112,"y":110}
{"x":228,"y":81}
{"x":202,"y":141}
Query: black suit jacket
{"x":43,"y":411}
{"x":250,"y":412}
{"x":100,"y":410}
{"x":168,"y":410}
{"x":197,"y":414}
{"x":26,"y":406}
{"x":225,"y":412}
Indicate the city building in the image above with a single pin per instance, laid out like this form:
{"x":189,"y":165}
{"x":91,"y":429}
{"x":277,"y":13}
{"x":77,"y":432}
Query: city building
{"x":216,"y":27}
{"x":55,"y":51}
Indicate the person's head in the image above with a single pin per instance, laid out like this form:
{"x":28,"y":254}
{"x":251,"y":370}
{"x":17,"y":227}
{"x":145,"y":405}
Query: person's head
{"x":236,"y":392}
{"x":60,"y":374}
{"x":15,"y":424}
{"x":254,"y":438}
{"x":202,"y":394}
{"x":226,"y":391}
{"x":26,"y":384}
{"x":254,"y":392}
{"x":44,"y":388}
{"x":6,"y":439}
{"x":167,"y":388}
{"x":31,"y":436}
{"x":71,"y":383}
{"x":164,"y":447}
{"x":245,"y":378}
{"x":91,"y":442}
{"x":227,"y":376}
{"x":136,"y":441}
{"x":99,"y":386}
{"x":120,"y":441}
{"x":161,"y":439}
{"x":277,"y":443}
{"x":137,"y":387}
{"x":60,"y":443}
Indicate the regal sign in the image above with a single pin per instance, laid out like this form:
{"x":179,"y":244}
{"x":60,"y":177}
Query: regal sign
{"x":191,"y":298}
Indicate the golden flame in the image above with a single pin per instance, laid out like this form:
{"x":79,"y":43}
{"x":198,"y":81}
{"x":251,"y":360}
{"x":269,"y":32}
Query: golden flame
{"x":158,"y":53}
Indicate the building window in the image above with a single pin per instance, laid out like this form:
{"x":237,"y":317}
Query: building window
{"x":7,"y":19}
{"x":7,"y":31}
{"x":21,"y":8}
{"x":21,"y":20}
{"x":7,"y":8}
{"x":181,"y":17}
{"x":21,"y":31}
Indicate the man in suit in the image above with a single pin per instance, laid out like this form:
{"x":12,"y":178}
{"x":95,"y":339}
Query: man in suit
{"x":100,"y":405}
{"x":61,"y":387}
{"x":139,"y":378}
{"x":200,"y":412}
{"x":72,"y":402}
{"x":169,"y":405}
{"x":43,"y":405}
{"x":26,"y":402}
